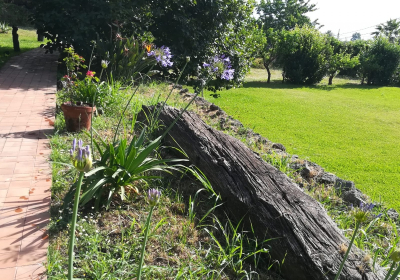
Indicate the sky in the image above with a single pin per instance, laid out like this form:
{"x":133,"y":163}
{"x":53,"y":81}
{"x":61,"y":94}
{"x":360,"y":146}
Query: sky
{"x":351,"y":16}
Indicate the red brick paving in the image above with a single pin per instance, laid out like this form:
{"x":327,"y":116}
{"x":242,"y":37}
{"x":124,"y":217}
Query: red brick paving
{"x":27,"y":104}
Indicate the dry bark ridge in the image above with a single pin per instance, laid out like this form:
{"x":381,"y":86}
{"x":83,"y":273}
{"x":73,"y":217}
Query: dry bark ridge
{"x":307,"y":238}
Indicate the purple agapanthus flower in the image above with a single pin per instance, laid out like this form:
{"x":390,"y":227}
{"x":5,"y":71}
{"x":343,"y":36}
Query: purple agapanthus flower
{"x":162,"y":55}
{"x":81,"y":157}
{"x":153,"y":195}
{"x":220,"y":66}
{"x":227,"y":74}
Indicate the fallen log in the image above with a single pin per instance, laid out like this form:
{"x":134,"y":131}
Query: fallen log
{"x":306,"y":237}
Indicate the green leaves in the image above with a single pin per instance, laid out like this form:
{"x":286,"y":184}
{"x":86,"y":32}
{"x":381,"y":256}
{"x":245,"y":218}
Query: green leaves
{"x":120,"y":165}
{"x":302,"y":54}
{"x":380,"y":62}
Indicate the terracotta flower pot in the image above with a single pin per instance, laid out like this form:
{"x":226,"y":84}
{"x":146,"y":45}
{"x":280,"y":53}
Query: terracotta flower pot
{"x":77,"y":117}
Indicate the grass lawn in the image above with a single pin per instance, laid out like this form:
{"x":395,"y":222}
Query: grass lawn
{"x":349,"y":129}
{"x":27,"y":41}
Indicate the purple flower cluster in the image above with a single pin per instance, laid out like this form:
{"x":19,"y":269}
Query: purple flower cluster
{"x":153,"y":196}
{"x":221,"y":65}
{"x":162,"y":55}
{"x":363,"y":212}
{"x":81,"y":158}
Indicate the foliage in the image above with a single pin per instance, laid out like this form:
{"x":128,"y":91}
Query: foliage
{"x":127,"y":58}
{"x":153,"y":198}
{"x":285,"y":14}
{"x":340,"y":59}
{"x":15,"y":12}
{"x":275,"y":17}
{"x":269,"y":51}
{"x":356,"y":36}
{"x":121,"y":164}
{"x":303,"y":55}
{"x":380,"y":62}
{"x":390,"y":30}
{"x":234,"y":249}
{"x":200,"y":29}
{"x":354,"y":48}
{"x":361,"y":215}
{"x":4,"y":27}
{"x":77,"y":23}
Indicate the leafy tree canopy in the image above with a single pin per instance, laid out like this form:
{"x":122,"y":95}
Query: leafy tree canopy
{"x":356,"y":36}
{"x":391,"y":30}
{"x":285,"y":14}
{"x":380,"y":62}
{"x":303,"y":54}
{"x":199,"y":29}
{"x":277,"y":16}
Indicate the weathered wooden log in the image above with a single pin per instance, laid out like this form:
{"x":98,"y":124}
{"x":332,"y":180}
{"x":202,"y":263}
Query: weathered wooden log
{"x":306,"y":237}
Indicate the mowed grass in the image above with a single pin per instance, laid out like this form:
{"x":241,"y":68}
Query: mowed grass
{"x":27,"y":41}
{"x":349,"y":129}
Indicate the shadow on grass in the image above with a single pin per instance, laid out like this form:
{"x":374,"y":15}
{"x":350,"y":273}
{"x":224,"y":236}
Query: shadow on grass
{"x":280,"y":85}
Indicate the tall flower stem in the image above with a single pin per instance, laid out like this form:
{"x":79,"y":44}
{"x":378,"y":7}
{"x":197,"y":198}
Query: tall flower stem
{"x":73,"y":226}
{"x":91,"y":118}
{"x":183,"y":111}
{"x":153,"y":120}
{"x":348,"y":250}
{"x":395,"y":273}
{"x":146,"y":234}
{"x":123,"y":113}
{"x":390,"y":271}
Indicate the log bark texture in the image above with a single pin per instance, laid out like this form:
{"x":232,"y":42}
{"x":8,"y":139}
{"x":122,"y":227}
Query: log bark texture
{"x":306,"y":237}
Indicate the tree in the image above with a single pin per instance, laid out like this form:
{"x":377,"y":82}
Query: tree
{"x":200,"y":29}
{"x":303,"y":54}
{"x":339,"y":59}
{"x":285,"y":14}
{"x":329,"y":33}
{"x":356,"y":36}
{"x":15,"y":12}
{"x":277,"y":16}
{"x":380,"y":62}
{"x":391,"y":30}
{"x":269,"y":50}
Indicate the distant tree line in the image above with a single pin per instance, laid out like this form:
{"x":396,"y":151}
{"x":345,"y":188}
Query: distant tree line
{"x":306,"y":56}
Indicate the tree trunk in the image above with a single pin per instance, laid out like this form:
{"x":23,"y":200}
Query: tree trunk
{"x":330,"y":80}
{"x":266,"y":65}
{"x":269,"y":75}
{"x":306,"y":237}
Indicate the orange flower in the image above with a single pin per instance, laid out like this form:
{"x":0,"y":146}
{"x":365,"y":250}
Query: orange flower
{"x":148,"y":48}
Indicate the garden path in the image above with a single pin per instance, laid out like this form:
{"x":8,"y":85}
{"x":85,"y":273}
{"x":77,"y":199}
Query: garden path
{"x":27,"y":107}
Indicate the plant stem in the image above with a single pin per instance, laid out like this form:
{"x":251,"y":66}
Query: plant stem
{"x":153,"y":119}
{"x":123,"y":113}
{"x":395,"y":273}
{"x":146,"y":233}
{"x":91,"y":120}
{"x":390,"y":271}
{"x":183,"y":111}
{"x":73,"y":226}
{"x":348,"y":250}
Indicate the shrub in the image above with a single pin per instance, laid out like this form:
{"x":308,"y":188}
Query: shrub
{"x":380,"y":62}
{"x":302,"y":55}
{"x":199,"y":29}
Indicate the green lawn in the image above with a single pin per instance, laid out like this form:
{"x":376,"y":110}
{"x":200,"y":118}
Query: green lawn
{"x":27,"y":41}
{"x":349,"y":129}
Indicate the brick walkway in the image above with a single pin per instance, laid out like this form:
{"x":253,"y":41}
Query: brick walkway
{"x":27,"y":104}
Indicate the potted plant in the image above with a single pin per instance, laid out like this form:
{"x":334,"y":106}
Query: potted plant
{"x":77,"y":97}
